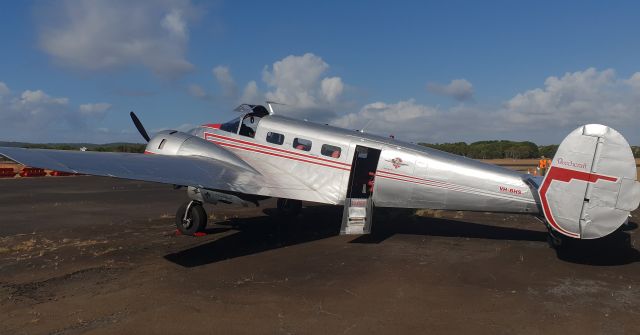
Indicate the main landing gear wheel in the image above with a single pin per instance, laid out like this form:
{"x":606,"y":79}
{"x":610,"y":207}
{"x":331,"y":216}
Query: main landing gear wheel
{"x":191,"y":218}
{"x":289,"y":208}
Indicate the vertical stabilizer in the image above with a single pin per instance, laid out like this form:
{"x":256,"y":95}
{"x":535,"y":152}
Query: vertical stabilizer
{"x":591,"y":186}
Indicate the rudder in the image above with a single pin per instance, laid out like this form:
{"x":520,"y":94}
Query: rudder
{"x":591,"y":186}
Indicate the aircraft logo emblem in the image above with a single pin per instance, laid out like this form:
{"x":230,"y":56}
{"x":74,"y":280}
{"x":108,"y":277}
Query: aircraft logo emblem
{"x":397,"y":162}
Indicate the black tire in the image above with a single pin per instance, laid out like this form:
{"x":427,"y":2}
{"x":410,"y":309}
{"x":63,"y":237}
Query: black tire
{"x":196,"y":219}
{"x":289,"y":208}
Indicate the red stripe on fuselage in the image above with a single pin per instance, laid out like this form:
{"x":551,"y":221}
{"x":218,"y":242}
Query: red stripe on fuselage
{"x":419,"y":182}
{"x":274,"y":149}
{"x":442,"y":184}
{"x":565,"y":176}
{"x":417,"y":178}
{"x":275,"y":154}
{"x":439,"y":184}
{"x":212,"y":125}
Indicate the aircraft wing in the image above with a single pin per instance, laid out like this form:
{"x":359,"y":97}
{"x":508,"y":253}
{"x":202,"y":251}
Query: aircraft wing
{"x":197,"y":171}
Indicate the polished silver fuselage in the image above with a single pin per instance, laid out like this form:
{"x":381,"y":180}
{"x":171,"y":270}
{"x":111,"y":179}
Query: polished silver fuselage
{"x":588,"y":192}
{"x":407,"y":175}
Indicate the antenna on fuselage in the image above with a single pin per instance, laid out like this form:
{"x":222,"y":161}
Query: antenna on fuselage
{"x":269,"y":103}
{"x":365,"y":126}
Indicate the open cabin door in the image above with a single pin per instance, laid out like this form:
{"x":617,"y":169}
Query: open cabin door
{"x":358,"y":205}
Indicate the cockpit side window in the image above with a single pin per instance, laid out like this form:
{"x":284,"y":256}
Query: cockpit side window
{"x":231,"y":126}
{"x":249,"y":125}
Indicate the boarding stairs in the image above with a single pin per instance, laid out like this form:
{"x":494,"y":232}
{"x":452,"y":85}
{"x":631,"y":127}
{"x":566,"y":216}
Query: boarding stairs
{"x":357,"y":216}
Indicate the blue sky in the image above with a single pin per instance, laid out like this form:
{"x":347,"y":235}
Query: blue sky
{"x":423,"y":71}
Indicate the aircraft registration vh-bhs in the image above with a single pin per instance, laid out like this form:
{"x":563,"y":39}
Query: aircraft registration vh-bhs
{"x":588,"y":192}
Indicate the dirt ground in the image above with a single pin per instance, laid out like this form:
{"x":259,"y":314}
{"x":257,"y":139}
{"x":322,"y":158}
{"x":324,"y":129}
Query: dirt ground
{"x":89,"y":255}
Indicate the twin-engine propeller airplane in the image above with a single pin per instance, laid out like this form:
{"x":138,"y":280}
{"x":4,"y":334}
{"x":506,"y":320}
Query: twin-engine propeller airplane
{"x":588,"y":192}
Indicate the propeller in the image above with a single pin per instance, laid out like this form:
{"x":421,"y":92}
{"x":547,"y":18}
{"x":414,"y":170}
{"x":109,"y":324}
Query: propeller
{"x":138,"y":124}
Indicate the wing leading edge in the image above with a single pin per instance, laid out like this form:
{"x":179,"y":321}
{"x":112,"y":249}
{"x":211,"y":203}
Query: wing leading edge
{"x":195,"y":171}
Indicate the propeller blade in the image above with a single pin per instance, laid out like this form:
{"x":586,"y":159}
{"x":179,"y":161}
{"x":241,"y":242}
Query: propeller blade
{"x":139,"y":126}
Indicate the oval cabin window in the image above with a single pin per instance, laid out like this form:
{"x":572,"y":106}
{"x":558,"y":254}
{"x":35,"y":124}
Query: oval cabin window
{"x":330,"y":151}
{"x":302,"y":144}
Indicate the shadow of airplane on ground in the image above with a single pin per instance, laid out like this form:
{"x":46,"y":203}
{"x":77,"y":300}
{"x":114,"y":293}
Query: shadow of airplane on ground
{"x":613,"y":249}
{"x":258,"y":234}
{"x":389,"y":222}
{"x":263,"y":233}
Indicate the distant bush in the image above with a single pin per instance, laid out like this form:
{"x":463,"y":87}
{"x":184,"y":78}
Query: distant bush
{"x":489,"y":149}
{"x":52,"y":146}
{"x":112,"y":147}
{"x":503,"y":149}
{"x":548,"y":150}
{"x":133,"y":148}
{"x":458,"y":148}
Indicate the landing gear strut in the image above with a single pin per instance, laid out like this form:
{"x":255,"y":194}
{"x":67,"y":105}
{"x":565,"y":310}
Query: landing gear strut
{"x":555,"y":240}
{"x":289,"y":208}
{"x":191,"y":218}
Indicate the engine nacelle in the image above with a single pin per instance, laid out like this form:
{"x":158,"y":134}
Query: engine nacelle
{"x":229,"y":198}
{"x":176,"y":143}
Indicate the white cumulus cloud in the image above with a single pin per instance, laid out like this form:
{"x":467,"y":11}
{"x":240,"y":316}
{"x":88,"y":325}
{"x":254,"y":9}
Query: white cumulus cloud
{"x":105,"y":34}
{"x":226,"y":81}
{"x":4,"y":89}
{"x":94,"y":110}
{"x":331,"y":88}
{"x":251,"y":94}
{"x":37,"y":102}
{"x":175,"y":24}
{"x":458,"y":89}
{"x":544,"y":115}
{"x":404,"y":119}
{"x":34,"y":115}
{"x":300,"y":82}
{"x":197,"y":91}
{"x":588,"y":96}
{"x":634,"y":82}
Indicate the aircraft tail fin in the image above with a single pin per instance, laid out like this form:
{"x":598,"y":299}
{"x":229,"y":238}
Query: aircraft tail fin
{"x":591,"y":186}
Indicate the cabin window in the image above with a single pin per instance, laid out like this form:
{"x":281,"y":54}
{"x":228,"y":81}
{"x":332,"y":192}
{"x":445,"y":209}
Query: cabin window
{"x":330,"y":150}
{"x":275,"y":138}
{"x":161,"y":146}
{"x":302,"y":144}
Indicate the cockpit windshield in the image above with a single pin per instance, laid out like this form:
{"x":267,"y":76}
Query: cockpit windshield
{"x":231,"y":126}
{"x":246,"y":125}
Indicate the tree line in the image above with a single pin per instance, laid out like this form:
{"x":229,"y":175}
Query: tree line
{"x":496,"y":149}
{"x":503,"y":149}
{"x":109,"y":147}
